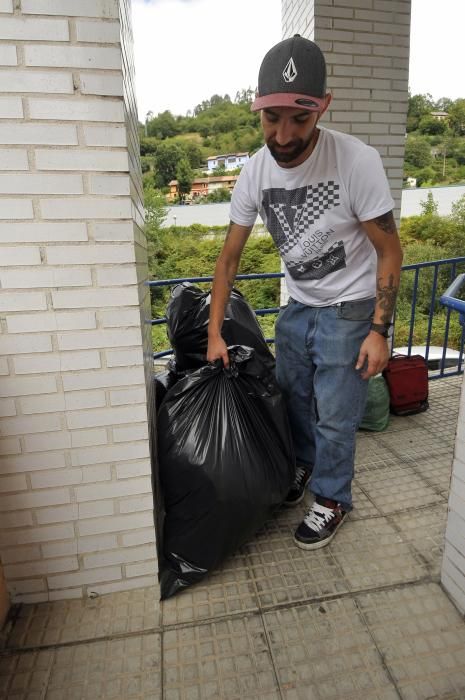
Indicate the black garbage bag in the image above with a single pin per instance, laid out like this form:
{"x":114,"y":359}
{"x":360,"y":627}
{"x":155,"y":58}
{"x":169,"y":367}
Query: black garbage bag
{"x":162,"y":381}
{"x":226,"y":463}
{"x":187,"y":315}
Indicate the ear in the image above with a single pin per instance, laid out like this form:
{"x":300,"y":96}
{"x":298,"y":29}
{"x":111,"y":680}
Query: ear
{"x":328,"y":98}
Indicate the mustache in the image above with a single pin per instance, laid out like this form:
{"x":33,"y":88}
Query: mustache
{"x":296,"y":143}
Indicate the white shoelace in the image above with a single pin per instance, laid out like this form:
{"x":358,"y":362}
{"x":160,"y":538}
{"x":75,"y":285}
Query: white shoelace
{"x":299,"y":475}
{"x":318,"y":516}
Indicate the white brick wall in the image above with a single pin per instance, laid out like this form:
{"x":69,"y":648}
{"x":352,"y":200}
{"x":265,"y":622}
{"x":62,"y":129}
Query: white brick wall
{"x":453,"y":565}
{"x":74,"y":355}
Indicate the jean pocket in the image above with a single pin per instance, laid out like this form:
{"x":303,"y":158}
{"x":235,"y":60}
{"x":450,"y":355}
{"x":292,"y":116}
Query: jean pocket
{"x":360,"y":310}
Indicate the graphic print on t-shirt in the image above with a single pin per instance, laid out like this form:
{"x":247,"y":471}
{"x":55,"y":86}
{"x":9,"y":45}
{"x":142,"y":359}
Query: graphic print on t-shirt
{"x":309,"y":252}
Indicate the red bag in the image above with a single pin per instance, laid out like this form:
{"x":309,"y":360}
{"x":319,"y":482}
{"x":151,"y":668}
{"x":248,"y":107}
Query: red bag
{"x":407,"y":380}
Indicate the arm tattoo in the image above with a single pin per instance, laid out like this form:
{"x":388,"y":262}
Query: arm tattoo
{"x":386,"y":298}
{"x":386,"y":222}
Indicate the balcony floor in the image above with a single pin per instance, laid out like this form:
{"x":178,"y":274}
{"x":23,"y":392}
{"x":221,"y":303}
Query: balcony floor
{"x":362,"y":619}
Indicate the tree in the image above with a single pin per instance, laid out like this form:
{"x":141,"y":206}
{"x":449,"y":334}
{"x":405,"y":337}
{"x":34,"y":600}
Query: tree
{"x":163,"y":126}
{"x":431,"y":126}
{"x":167,"y":158}
{"x":193,"y":153}
{"x":457,"y":117}
{"x":155,"y":215}
{"x":418,"y":152}
{"x":418,"y":106}
{"x":184,"y":176}
{"x":430,"y":206}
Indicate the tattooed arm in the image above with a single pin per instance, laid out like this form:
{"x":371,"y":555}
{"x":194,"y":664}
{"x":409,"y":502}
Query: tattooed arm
{"x":382,"y":232}
{"x":225,"y":273}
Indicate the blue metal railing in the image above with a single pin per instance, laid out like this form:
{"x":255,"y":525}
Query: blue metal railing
{"x":449,"y":299}
{"x":417,"y":270}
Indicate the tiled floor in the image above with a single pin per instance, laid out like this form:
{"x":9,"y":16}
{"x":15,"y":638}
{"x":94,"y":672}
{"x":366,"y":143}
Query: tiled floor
{"x":363,"y":619}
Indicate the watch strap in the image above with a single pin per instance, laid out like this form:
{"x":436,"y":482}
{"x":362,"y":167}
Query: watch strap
{"x":381,"y":328}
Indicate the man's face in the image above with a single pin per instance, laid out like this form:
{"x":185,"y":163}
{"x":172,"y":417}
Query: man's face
{"x":288,"y":133}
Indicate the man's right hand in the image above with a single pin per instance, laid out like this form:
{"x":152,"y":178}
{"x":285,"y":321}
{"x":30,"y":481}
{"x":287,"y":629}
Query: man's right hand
{"x":217,"y":350}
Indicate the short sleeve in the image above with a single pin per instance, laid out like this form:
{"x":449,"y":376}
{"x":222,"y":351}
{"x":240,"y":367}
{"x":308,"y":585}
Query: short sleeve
{"x":243,"y":209}
{"x":369,"y":191}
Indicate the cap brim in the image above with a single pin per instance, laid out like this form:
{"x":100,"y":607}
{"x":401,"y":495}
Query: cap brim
{"x":288,"y":99}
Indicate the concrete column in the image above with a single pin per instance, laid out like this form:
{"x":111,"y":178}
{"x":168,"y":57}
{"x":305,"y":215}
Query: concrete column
{"x":75,"y":352}
{"x":453,"y":565}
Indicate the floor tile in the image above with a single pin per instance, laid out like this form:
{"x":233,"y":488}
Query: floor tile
{"x":363,"y":507}
{"x":324,"y":652}
{"x":127,"y":668}
{"x":414,"y":444}
{"x":372,"y":553}
{"x":74,"y":620}
{"x":424,"y":530}
{"x":226,"y":591}
{"x":422,"y":639}
{"x":282,"y":572}
{"x":397,"y":488}
{"x":224,"y":660}
{"x":370,"y":452}
{"x":435,"y":471}
{"x":25,"y":676}
{"x":440,"y":421}
{"x":399,"y":423}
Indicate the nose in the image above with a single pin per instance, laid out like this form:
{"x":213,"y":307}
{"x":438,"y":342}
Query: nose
{"x":283,"y":132}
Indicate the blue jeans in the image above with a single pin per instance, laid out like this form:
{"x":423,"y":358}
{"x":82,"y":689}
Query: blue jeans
{"x":316,"y":353}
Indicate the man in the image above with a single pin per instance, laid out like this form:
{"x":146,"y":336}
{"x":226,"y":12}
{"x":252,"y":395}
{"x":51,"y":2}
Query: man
{"x":326,"y":202}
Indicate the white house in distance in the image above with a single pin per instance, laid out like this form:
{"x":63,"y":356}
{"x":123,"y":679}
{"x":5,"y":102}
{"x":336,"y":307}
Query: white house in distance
{"x":230,"y":161}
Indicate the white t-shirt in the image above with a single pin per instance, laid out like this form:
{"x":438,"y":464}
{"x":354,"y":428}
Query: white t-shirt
{"x":313,"y":212}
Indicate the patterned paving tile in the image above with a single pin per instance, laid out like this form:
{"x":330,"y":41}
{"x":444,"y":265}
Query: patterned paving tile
{"x":422,"y":639}
{"x":225,"y":591}
{"x":282,"y":572}
{"x":396,"y":488}
{"x":324,"y":652}
{"x":436,"y":471}
{"x":372,"y":553}
{"x":441,"y":421}
{"x":424,"y":530}
{"x":25,"y":676}
{"x":224,"y":660}
{"x":127,"y":668}
{"x":370,"y":453}
{"x":91,"y":618}
{"x":363,"y":507}
{"x":414,"y":444}
{"x":397,"y":423}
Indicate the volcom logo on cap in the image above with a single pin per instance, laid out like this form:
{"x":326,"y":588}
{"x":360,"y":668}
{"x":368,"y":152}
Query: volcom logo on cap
{"x":290,"y":71}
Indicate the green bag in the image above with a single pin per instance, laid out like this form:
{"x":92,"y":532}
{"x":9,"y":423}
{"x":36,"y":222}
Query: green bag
{"x":376,"y":416}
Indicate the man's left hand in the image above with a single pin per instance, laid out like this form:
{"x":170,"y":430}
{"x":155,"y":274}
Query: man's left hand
{"x":373,"y":355}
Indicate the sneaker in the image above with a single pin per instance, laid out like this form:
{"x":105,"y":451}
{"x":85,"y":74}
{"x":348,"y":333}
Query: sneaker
{"x":320,"y":524}
{"x":297,"y":490}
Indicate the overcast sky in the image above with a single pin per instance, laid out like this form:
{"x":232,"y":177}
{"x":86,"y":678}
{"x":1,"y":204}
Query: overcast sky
{"x":188,"y":50}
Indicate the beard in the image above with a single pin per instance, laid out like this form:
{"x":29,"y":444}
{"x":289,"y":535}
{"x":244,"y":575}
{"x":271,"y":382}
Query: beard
{"x":289,"y":152}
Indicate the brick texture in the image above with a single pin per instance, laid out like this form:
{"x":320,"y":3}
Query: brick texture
{"x":75,"y":350}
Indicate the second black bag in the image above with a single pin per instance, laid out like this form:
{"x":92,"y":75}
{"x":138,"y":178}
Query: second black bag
{"x":226,"y":463}
{"x":187,"y":316}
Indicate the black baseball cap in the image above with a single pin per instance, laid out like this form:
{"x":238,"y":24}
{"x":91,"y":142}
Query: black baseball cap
{"x":292,"y":74}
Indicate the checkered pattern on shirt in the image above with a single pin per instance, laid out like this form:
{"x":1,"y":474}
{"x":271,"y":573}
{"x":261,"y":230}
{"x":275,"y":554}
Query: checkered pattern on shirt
{"x":320,"y":198}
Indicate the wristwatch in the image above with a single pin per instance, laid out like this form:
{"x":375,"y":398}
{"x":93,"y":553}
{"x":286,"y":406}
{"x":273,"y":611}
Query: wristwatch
{"x":384,"y":329}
